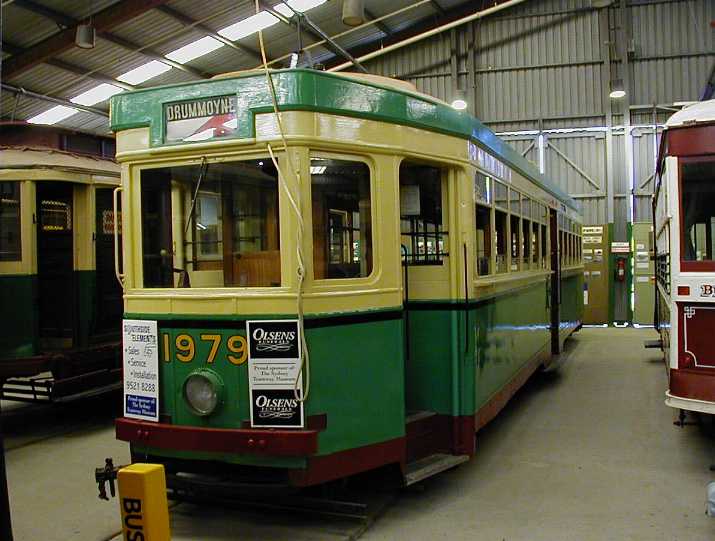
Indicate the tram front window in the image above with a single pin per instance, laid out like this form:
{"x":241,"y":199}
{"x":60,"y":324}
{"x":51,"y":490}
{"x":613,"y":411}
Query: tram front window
{"x":211,"y":225}
{"x":698,"y":200}
{"x":10,"y":247}
{"x":342,"y":218}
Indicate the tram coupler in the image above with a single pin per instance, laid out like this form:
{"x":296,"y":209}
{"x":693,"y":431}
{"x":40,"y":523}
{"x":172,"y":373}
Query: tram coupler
{"x":107,"y":475}
{"x":681,"y":422}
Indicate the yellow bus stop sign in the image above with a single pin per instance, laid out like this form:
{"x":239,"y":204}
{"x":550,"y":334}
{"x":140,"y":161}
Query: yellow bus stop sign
{"x":143,"y":504}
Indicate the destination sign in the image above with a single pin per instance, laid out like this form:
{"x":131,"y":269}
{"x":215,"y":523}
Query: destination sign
{"x":200,"y":119}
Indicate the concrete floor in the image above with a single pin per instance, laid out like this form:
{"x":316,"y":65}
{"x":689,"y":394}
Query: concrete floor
{"x":589,"y":453}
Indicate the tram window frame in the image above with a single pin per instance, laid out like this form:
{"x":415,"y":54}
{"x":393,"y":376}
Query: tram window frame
{"x":501,"y":241}
{"x":526,"y":244}
{"x":501,"y":196}
{"x":369,"y":222}
{"x":515,"y":243}
{"x":483,"y":263}
{"x":254,"y":257}
{"x":10,"y":248}
{"x":415,"y":227}
{"x":696,"y":261}
{"x":544,"y":233}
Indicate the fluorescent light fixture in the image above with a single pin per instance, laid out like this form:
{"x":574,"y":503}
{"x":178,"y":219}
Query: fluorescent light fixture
{"x":459,"y":104}
{"x":194,"y":49}
{"x":317,"y":169}
{"x":617,"y":90}
{"x":96,"y":94}
{"x":53,"y":116}
{"x":248,"y":26}
{"x":144,"y":72}
{"x":201,"y":136}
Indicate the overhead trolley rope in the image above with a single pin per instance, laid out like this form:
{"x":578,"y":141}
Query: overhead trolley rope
{"x":295,"y":205}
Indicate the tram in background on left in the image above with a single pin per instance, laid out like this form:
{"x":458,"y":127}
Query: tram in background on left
{"x":364,"y":284}
{"x":60,"y":301}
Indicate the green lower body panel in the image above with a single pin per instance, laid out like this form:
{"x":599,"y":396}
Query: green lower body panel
{"x":18,"y":316}
{"x":356,"y":384}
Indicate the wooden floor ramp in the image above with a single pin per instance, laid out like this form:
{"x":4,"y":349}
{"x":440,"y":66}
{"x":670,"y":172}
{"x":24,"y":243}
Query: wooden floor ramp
{"x":432,"y":465}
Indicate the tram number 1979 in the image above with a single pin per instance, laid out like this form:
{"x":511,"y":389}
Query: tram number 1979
{"x":185,"y":348}
{"x":707,"y":290}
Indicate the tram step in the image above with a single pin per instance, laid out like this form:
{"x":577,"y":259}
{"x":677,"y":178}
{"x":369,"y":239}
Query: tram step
{"x":431,"y":465}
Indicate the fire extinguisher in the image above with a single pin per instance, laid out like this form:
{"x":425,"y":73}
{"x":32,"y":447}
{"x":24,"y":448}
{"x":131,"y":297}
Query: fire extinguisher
{"x":621,"y":269}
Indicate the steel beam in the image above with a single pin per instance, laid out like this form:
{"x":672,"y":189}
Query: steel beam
{"x":190,"y":22}
{"x":103,"y":21}
{"x":53,"y":99}
{"x":73,"y":68}
{"x":380,"y":25}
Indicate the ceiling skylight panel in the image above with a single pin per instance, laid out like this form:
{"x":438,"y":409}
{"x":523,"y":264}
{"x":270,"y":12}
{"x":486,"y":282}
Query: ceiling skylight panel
{"x":54,"y":115}
{"x":96,"y":94}
{"x":194,"y":49}
{"x":248,"y":26}
{"x":298,"y":5}
{"x":144,"y":72}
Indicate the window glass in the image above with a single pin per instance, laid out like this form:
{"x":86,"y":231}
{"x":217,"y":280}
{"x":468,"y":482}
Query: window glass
{"x":544,"y":260}
{"x":526,"y":243}
{"x":514,"y":205}
{"x":500,"y":237}
{"x":535,"y":245}
{"x":10,"y":240}
{"x":525,"y":207}
{"x":698,"y":209}
{"x":484,"y":248}
{"x":482,"y":188}
{"x":211,"y":225}
{"x":342,"y":218}
{"x":515,"y":242}
{"x":421,"y":222}
{"x":500,"y":194}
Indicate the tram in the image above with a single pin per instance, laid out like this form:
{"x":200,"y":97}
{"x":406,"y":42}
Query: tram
{"x":684,"y":225}
{"x":361,"y":280}
{"x":61,"y":305}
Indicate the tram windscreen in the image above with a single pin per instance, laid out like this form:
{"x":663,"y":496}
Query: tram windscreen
{"x":10,"y":245}
{"x":342,"y":218}
{"x":211,"y":225}
{"x":698,"y":210}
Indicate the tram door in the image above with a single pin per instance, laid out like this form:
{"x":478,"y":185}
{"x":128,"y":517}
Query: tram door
{"x":109,"y":293}
{"x":555,"y":293}
{"x":55,"y":264}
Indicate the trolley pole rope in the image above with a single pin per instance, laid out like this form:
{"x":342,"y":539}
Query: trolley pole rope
{"x":5,"y":525}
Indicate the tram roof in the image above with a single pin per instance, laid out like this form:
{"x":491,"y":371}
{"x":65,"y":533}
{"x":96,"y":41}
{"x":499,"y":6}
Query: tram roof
{"x":703,"y":111}
{"x":311,"y":90}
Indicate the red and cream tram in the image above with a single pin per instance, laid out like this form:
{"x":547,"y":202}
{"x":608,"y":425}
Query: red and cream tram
{"x":684,"y":225}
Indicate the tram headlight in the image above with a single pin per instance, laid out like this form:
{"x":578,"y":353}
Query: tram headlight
{"x":202,"y":391}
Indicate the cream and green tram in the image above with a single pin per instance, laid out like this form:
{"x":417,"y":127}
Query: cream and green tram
{"x":61,"y":305}
{"x":362,"y":281}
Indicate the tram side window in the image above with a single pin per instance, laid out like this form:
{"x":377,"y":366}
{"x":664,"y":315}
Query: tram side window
{"x":421,"y":221}
{"x":211,"y":225}
{"x":484,"y":244}
{"x":342,"y":218}
{"x":10,"y":241}
{"x":698,"y":210}
{"x":501,"y":239}
{"x":544,"y":258}
{"x":515,"y":243}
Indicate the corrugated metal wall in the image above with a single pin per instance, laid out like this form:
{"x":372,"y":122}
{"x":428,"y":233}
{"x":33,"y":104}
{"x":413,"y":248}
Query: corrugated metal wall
{"x":544,"y":66}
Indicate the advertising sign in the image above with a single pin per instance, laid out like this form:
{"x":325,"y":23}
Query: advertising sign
{"x":274,"y":357}
{"x":141,"y":369}
{"x":200,"y":119}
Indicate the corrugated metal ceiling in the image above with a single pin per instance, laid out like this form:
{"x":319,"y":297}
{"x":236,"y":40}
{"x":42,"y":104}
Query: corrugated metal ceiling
{"x":162,"y":33}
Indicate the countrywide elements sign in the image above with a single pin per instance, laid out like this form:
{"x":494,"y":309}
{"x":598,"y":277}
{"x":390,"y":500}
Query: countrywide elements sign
{"x":274,"y":356}
{"x":200,"y":119}
{"x":141,"y":369}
